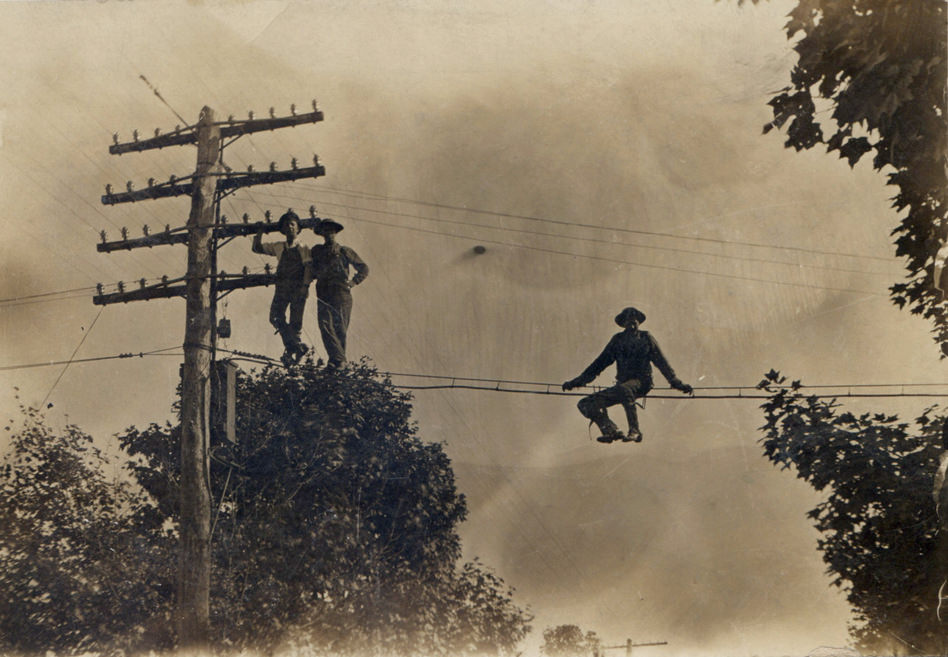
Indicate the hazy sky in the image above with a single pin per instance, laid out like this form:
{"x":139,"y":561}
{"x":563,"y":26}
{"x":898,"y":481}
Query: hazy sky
{"x":618,"y":116}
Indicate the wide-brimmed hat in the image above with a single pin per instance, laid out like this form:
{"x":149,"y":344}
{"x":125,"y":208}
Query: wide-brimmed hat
{"x":327,"y":226}
{"x":630,"y":313}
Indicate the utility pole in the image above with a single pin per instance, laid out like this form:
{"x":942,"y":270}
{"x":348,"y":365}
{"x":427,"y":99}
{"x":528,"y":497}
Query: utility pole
{"x":194,"y":527}
{"x":628,"y":645}
{"x":201,"y":286}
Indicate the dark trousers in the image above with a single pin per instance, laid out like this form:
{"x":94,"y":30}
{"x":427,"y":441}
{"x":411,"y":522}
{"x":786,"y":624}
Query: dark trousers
{"x":334,"y":309}
{"x":594,"y":406}
{"x":289,"y":331}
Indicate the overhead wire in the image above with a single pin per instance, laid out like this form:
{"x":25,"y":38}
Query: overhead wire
{"x":740,"y":392}
{"x":77,"y":292}
{"x":447,"y":377}
{"x":92,"y":359}
{"x":161,"y":98}
{"x":69,"y":362}
{"x":844,"y":390}
{"x":847,"y":395}
{"x":594,"y":240}
{"x":620,"y":229}
{"x":620,"y":260}
{"x":46,"y":294}
{"x":82,"y":198}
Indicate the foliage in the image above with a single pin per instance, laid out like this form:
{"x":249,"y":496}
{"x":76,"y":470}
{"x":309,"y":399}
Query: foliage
{"x":881,"y":67}
{"x":878,"y":524}
{"x":337,"y":521}
{"x":335,"y":529}
{"x":76,"y":574}
{"x":569,"y":641}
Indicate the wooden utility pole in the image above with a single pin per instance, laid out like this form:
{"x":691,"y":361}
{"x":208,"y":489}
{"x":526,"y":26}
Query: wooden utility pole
{"x":628,"y":645}
{"x":194,"y":567}
{"x":201,"y":289}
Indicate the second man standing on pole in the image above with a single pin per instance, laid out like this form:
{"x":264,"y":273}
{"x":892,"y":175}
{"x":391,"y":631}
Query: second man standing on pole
{"x":330,"y":267}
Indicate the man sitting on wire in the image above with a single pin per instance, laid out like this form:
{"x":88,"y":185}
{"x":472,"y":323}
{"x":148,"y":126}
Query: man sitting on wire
{"x":331,"y":262}
{"x":633,"y":351}
{"x":293,"y":276}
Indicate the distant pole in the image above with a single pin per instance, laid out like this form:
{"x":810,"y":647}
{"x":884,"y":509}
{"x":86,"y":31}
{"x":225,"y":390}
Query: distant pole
{"x":194,"y":565}
{"x":628,"y":647}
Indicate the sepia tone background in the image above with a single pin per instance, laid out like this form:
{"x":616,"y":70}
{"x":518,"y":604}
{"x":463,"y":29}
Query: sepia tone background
{"x":562,"y":125}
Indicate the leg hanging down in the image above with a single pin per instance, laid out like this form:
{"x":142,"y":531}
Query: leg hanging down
{"x":632,"y":416}
{"x":594,"y":408}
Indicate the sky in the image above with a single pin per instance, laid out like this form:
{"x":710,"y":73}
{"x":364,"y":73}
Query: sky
{"x":605,"y":153}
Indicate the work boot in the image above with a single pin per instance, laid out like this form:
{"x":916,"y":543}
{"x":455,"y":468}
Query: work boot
{"x":299,"y":351}
{"x":610,"y":434}
{"x":634,"y":436}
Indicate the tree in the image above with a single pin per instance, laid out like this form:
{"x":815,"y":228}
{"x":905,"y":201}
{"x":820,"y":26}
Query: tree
{"x":76,"y":572}
{"x":335,"y":529}
{"x":880,"y":65}
{"x":569,"y":641}
{"x":334,"y":519}
{"x":878,"y":526}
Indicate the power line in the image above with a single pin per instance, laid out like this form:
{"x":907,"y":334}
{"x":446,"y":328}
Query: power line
{"x":75,"y":351}
{"x":598,"y":227}
{"x":848,"y":395}
{"x":624,"y":262}
{"x":33,"y":301}
{"x":47,"y":294}
{"x":13,"y":301}
{"x":145,"y":80}
{"x":607,"y":259}
{"x":549,"y":388}
{"x":739,"y":392}
{"x":470,"y":383}
{"x":594,"y":240}
{"x":141,"y":354}
{"x":72,"y":294}
{"x":824,"y":386}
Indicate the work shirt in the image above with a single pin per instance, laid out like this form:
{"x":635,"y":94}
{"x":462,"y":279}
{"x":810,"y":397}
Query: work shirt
{"x":331,"y":264}
{"x":633,"y":352}
{"x":294,"y":267}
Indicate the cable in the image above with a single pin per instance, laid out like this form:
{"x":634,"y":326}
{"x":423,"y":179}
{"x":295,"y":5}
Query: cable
{"x":553,"y":388}
{"x":11,"y":304}
{"x":550,"y":388}
{"x":47,"y":294}
{"x":613,"y":260}
{"x":41,"y":298}
{"x":626,"y":262}
{"x":75,"y":351}
{"x":145,"y":80}
{"x":600,"y":241}
{"x":849,"y":395}
{"x":597,"y":227}
{"x":545,"y":383}
{"x":156,"y":352}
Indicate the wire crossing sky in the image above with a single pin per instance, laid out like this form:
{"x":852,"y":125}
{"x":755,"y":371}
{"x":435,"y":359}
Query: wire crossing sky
{"x":844,"y":390}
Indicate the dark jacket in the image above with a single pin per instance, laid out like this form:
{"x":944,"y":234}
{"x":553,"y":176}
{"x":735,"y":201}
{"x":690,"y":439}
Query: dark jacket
{"x":633,"y":352}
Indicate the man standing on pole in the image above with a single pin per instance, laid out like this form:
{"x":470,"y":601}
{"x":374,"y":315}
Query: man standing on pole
{"x":293,"y":276}
{"x":331,"y":262}
{"x":633,"y":351}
